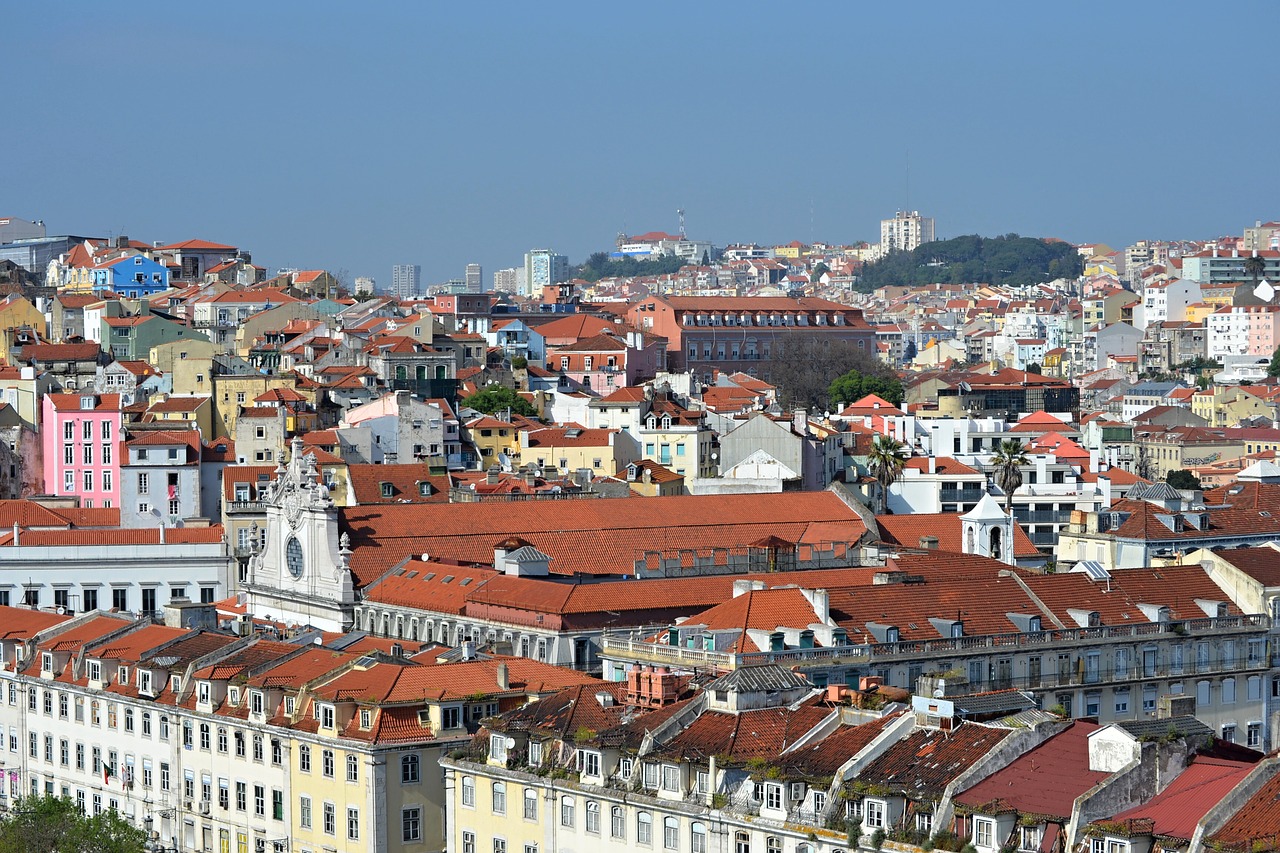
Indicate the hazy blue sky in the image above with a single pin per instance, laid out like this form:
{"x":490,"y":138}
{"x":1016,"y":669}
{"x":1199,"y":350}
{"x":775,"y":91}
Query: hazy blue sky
{"x":359,"y":135}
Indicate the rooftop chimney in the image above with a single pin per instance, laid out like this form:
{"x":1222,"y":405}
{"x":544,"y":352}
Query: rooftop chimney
{"x":929,"y":543}
{"x":800,"y":420}
{"x":504,"y":679}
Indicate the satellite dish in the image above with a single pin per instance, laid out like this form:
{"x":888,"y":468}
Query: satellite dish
{"x":509,"y":743}
{"x":940,"y":691}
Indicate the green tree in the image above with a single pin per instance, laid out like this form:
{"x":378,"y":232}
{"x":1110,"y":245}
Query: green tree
{"x":1274,"y":369}
{"x":1253,"y":267}
{"x":857,"y":383}
{"x":1008,"y":461}
{"x":1182,"y":479}
{"x":56,"y":825}
{"x":885,"y":461}
{"x":499,"y":398}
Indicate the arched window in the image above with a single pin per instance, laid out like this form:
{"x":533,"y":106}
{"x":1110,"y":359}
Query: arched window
{"x":593,"y":817}
{"x":530,"y":804}
{"x":644,"y":828}
{"x":401,"y":373}
{"x":499,"y":798}
{"x":698,"y":837}
{"x":742,"y":842}
{"x":567,"y":808}
{"x":409,"y":768}
{"x":773,"y":844}
{"x":670,"y":833}
{"x":468,"y":791}
{"x":617,"y":822}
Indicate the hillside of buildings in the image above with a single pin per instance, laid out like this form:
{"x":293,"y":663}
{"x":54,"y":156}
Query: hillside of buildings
{"x":733,"y":548}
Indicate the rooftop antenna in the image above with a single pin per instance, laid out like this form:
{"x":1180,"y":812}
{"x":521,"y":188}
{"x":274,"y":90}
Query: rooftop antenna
{"x":680,"y":213}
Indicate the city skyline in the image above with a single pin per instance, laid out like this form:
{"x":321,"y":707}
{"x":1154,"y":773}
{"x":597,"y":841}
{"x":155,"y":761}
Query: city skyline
{"x":348,"y":170}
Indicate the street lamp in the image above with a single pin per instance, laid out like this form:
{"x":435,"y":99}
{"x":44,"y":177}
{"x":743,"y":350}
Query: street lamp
{"x":153,"y":843}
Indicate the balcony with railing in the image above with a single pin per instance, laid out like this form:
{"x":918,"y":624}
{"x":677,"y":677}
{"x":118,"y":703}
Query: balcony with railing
{"x":966,"y":495}
{"x":239,"y":507}
{"x":632,"y":646}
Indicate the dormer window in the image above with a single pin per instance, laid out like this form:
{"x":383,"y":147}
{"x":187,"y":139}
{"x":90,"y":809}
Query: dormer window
{"x":891,"y":635}
{"x":387,"y":490}
{"x":95,"y":670}
{"x":233,"y":694}
{"x":326,"y":716}
{"x":957,"y":630}
{"x":290,"y":705}
{"x":175,"y":683}
{"x":46,"y":662}
{"x":256,"y":702}
{"x":203,"y":691}
{"x":144,"y":683}
{"x":366,"y":718}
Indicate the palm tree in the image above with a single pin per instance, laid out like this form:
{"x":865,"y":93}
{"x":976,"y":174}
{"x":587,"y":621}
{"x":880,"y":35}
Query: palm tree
{"x":885,"y":461}
{"x":1253,"y":266}
{"x":1008,"y":460}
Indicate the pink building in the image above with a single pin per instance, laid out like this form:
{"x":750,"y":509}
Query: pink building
{"x":81,"y":436}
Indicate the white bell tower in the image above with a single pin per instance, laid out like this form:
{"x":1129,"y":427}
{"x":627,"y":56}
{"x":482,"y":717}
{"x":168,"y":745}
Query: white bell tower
{"x":302,"y":574}
{"x":988,"y":531}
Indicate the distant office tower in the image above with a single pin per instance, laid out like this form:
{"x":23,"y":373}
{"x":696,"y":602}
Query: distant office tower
{"x":542,"y":268}
{"x":475,"y":278}
{"x":406,"y":281}
{"x":905,"y":231}
{"x":365,"y":284}
{"x":510,"y":280}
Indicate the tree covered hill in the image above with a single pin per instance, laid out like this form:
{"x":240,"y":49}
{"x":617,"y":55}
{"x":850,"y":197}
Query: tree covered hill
{"x":1011,"y":260}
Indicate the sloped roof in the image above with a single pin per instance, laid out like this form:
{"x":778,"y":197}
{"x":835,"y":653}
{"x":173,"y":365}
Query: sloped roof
{"x":1177,"y":809}
{"x":1024,"y":785}
{"x":602,"y":536}
{"x":922,"y":764}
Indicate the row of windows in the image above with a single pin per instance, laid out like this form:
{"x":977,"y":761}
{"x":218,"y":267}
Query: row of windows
{"x":86,"y":454}
{"x":329,"y":819}
{"x":742,"y":841}
{"x":69,"y":427}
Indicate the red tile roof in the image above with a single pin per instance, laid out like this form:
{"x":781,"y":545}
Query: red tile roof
{"x":1023,"y":784}
{"x":603,"y":536}
{"x":921,"y":765}
{"x":1176,"y":810}
{"x":1258,"y":820}
{"x":906,"y":530}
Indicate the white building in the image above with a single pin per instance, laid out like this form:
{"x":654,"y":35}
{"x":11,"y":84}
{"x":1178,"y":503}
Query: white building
{"x":905,"y":231}
{"x":406,"y":281}
{"x":543,"y":268}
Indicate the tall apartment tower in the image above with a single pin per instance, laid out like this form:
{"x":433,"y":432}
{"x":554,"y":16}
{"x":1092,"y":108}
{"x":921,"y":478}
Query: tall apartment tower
{"x":905,"y":231}
{"x":544,"y":268}
{"x":406,"y":280}
{"x":510,"y":280}
{"x":475,"y":278}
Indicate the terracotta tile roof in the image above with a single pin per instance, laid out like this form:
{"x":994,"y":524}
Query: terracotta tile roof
{"x":262,"y":652}
{"x":824,"y":758}
{"x":560,"y":437}
{"x":61,"y":352}
{"x":21,"y":623}
{"x":196,"y":246}
{"x":1023,"y":785}
{"x":942,"y":465}
{"x":1176,"y":810}
{"x":443,"y":588}
{"x":599,"y":536}
{"x":572,"y":710}
{"x":906,"y":530}
{"x":764,"y":733}
{"x":1262,"y":564}
{"x":404,"y":481}
{"x":921,"y":765}
{"x":1176,"y":587}
{"x":297,"y":671}
{"x":71,"y":402}
{"x":1258,"y":819}
{"x":96,"y":626}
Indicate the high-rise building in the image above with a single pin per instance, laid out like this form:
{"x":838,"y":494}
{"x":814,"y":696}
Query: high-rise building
{"x":543,"y":268}
{"x":475,"y":278}
{"x":406,"y":281}
{"x":905,"y":231}
{"x":510,"y":280}
{"x":365,"y":284}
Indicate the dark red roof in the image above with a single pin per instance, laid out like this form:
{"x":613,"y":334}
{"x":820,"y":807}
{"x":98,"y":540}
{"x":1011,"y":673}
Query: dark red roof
{"x":1025,"y":786}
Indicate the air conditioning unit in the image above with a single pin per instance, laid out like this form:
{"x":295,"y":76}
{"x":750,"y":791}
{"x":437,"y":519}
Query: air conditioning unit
{"x":204,"y":807}
{"x":186,"y":805}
